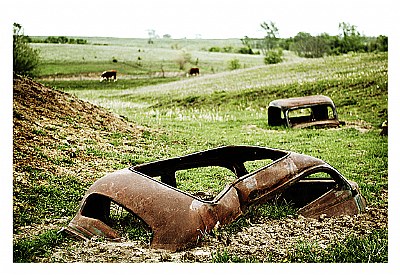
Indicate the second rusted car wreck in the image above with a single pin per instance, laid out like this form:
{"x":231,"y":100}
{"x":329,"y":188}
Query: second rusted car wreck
{"x":303,"y":112}
{"x":178,"y":219}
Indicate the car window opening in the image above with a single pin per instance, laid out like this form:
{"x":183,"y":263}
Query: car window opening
{"x":307,"y":189}
{"x":252,"y":166}
{"x":310,"y":114}
{"x":128,"y":225}
{"x":204,"y":182}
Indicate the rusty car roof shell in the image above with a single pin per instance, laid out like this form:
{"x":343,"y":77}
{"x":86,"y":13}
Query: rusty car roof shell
{"x":279,"y":112}
{"x":295,"y":102}
{"x":178,"y":218}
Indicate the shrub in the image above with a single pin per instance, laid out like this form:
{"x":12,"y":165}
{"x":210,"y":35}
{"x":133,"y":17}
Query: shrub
{"x":25,"y":59}
{"x":214,"y":49}
{"x":245,"y":50}
{"x":234,"y":64}
{"x":274,"y":56}
{"x":183,"y":59}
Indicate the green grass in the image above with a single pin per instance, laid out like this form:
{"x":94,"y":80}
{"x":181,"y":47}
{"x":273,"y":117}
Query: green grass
{"x":370,"y":248}
{"x":29,"y":249}
{"x":57,"y":198}
{"x":121,"y":84}
{"x":226,"y":257}
{"x":136,"y":57}
{"x":226,"y":108}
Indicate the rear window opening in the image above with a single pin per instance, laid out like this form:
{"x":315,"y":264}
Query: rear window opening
{"x":204,"y":182}
{"x":307,"y":189}
{"x":128,"y":225}
{"x":205,"y":174}
{"x":310,"y":114}
{"x":255,"y":165}
{"x":207,"y":182}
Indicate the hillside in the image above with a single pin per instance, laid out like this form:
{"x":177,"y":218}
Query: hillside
{"x":62,"y":144}
{"x":354,"y":83}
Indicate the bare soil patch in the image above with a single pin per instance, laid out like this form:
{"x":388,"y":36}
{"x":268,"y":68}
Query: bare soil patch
{"x":265,"y":240}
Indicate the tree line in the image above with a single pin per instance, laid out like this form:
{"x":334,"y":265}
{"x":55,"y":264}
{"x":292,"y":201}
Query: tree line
{"x":271,"y":46}
{"x":57,"y":40}
{"x":304,"y":44}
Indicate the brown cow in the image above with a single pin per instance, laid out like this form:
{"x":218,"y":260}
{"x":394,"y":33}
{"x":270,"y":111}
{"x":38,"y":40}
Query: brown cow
{"x":194,"y":72}
{"x":108,"y":75}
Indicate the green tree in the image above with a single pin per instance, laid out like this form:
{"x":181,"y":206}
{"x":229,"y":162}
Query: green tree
{"x":351,"y":39}
{"x":271,"y":39}
{"x":378,"y":44}
{"x":306,"y":45}
{"x":25,"y":59}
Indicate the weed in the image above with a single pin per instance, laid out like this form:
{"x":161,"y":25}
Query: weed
{"x":129,"y":225}
{"x":226,"y":257}
{"x":276,"y":210}
{"x":272,"y":211}
{"x":39,"y":132}
{"x":28,"y":249}
{"x":370,"y":248}
{"x":57,"y":198}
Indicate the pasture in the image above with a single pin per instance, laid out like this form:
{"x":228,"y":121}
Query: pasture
{"x":228,"y":107}
{"x":231,"y":108}
{"x":135,"y":57}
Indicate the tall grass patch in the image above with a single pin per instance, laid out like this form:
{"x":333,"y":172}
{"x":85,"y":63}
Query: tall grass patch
{"x":370,"y":248}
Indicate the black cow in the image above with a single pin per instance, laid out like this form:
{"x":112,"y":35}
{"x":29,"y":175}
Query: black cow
{"x":108,"y":75}
{"x":194,"y":71}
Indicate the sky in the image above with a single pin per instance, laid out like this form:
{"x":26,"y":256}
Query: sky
{"x":198,"y":18}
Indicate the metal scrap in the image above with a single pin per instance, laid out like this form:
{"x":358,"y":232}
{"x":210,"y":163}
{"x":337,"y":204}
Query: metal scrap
{"x":178,"y":219}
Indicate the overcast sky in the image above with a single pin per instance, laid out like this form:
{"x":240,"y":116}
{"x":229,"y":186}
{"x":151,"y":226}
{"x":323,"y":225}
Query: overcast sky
{"x":201,"y":18}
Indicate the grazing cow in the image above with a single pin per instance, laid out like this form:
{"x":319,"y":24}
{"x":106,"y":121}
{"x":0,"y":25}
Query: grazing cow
{"x":384,"y":126}
{"x":108,"y":75}
{"x":194,"y":71}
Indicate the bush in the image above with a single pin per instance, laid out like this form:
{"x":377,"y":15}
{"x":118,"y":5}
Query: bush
{"x":273,"y":56}
{"x":214,"y":49}
{"x":25,"y":59}
{"x":234,"y":64}
{"x":245,"y":50}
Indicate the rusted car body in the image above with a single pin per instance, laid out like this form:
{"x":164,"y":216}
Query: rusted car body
{"x":178,"y":219}
{"x":303,"y":112}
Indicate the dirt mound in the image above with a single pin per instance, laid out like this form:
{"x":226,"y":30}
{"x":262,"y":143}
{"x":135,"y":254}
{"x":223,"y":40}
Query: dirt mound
{"x":46,"y":119}
{"x":53,"y":133}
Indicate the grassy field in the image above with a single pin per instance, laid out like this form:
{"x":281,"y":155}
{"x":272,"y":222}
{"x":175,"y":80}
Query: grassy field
{"x":223,"y":107}
{"x":137,"y":57}
{"x":231,"y":108}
